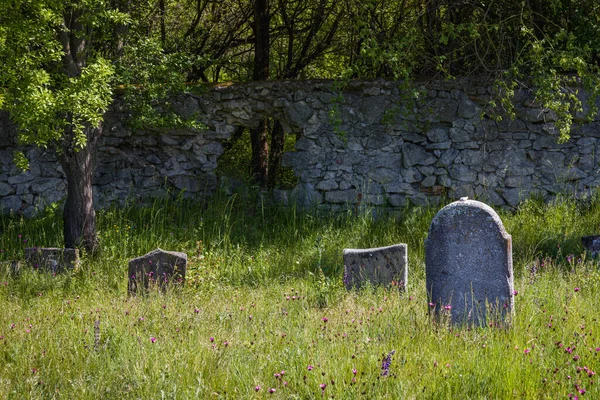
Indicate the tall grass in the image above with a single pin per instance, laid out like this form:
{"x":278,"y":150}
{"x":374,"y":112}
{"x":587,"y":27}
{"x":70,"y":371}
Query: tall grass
{"x":264,"y":297}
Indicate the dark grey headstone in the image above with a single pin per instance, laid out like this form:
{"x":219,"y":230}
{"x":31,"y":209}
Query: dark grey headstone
{"x":379,"y":266}
{"x":158,"y":267}
{"x":52,"y":259}
{"x":592,"y":245}
{"x":468,"y":261}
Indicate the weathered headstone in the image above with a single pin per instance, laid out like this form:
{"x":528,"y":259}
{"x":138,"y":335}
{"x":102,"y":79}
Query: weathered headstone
{"x":592,"y":245}
{"x":379,"y":266}
{"x":468,"y":262}
{"x":158,"y":267}
{"x":52,"y":259}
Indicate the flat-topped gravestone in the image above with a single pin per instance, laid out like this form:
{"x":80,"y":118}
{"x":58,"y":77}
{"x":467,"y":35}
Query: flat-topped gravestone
{"x":468,"y":262}
{"x":592,"y":245}
{"x":379,"y":266}
{"x":158,"y":267}
{"x":52,"y":259}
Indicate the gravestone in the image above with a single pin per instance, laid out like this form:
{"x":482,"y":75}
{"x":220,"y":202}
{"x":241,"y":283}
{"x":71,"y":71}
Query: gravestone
{"x":380,"y":266}
{"x":592,"y":245}
{"x":159,"y":267}
{"x":52,"y":259}
{"x":468,"y":263}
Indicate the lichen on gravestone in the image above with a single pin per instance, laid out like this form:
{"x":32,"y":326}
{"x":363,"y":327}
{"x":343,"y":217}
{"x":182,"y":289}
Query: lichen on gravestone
{"x":52,"y":259}
{"x":468,"y":262}
{"x":387,"y":266}
{"x":159,"y":267}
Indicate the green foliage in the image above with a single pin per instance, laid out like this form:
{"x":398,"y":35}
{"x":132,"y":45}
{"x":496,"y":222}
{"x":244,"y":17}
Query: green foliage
{"x":557,"y":69}
{"x":43,"y":100}
{"x":151,"y":78}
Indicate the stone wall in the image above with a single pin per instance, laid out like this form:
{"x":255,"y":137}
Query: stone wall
{"x":384,"y":149}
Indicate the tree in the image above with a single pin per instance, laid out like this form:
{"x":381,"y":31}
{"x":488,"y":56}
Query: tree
{"x":56,"y":84}
{"x":57,"y":80}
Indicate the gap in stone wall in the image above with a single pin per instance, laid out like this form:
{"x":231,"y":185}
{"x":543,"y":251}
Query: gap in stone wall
{"x":234,"y":169}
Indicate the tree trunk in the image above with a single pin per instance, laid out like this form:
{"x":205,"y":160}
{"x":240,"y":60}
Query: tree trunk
{"x":262,"y":19}
{"x":259,"y":138}
{"x":276,"y":154}
{"x":79,"y":216}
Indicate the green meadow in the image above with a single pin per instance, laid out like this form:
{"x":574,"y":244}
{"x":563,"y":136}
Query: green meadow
{"x":264,"y":314}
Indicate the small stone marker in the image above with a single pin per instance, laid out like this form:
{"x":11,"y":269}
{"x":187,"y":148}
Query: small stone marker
{"x":159,"y":266}
{"x":380,"y":266}
{"x":592,"y":245}
{"x":468,"y":262}
{"x":52,"y":259}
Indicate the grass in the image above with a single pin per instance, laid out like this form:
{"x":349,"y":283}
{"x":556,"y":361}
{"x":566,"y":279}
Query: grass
{"x":264,"y":309}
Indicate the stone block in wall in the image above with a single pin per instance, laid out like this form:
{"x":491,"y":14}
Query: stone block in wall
{"x":189,"y":183}
{"x":186,"y":106}
{"x":438,"y":146}
{"x":429,"y":181}
{"x":6,"y":189}
{"x":383,"y":175}
{"x":535,"y":114}
{"x":438,"y":135}
{"x":44,"y":184}
{"x":372,"y":109}
{"x":491,"y":197}
{"x":304,"y":195}
{"x":20,"y":177}
{"x":443,"y":110}
{"x":50,"y":197}
{"x":342,"y":196}
{"x":515,"y":181}
{"x":397,"y":200}
{"x":426,"y":170}
{"x":588,"y":162}
{"x":469,"y":157}
{"x":461,"y":172}
{"x":587,"y":145}
{"x":326,"y":185}
{"x":297,"y":114}
{"x":411,"y":136}
{"x":444,"y":180}
{"x":467,"y":108}
{"x":378,"y":140}
{"x":416,"y":155}
{"x":411,"y":175}
{"x":514,"y":196}
{"x":10,"y":204}
{"x":571,"y":174}
{"x":448,"y":157}
{"x":511,"y":125}
{"x":399,"y":187}
{"x":373,"y":199}
{"x":459,"y":135}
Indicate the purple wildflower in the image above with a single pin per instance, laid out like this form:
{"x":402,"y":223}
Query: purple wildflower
{"x":386,"y":363}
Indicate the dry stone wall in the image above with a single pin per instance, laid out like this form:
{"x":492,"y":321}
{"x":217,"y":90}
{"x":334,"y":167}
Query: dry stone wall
{"x":367,"y":144}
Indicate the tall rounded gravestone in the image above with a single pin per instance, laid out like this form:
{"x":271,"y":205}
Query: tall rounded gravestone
{"x":468,"y":261}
